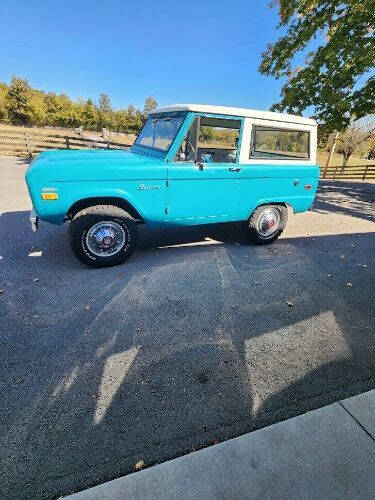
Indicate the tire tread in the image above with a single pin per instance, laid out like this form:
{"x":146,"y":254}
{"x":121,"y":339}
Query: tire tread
{"x":79,"y":222}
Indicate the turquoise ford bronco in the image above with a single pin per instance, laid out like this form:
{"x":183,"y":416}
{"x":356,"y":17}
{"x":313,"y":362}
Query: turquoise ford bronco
{"x":190,"y":164}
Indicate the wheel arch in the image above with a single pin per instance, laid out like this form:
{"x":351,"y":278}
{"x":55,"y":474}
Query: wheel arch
{"x":104,"y":200}
{"x":285,"y":204}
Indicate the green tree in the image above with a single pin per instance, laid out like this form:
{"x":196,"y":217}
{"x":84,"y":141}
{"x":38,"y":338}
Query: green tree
{"x":206,"y":134}
{"x":64,"y":112}
{"x":37,"y":108}
{"x":371,"y":151}
{"x":150,"y":105}
{"x":3,"y":93}
{"x":105,"y":103}
{"x":17,"y":101}
{"x":337,"y":77}
{"x":131,"y":109}
{"x":90,"y":115}
{"x":355,"y":139}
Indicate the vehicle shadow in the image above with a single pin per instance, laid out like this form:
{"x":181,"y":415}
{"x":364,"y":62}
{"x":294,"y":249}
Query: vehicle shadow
{"x":197,"y":339}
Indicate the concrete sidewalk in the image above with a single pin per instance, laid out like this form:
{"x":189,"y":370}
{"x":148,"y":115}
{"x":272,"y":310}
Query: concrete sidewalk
{"x":326,"y":453}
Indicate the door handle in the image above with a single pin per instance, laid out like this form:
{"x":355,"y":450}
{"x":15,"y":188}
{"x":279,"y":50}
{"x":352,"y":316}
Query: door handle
{"x":234,"y":169}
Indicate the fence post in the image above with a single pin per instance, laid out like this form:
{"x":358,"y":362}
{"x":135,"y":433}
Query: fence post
{"x":365,"y":172}
{"x":67,"y":142}
{"x":28,"y":145}
{"x":330,"y":156}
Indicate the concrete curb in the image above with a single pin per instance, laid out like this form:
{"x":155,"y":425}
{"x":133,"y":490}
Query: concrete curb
{"x":326,"y":453}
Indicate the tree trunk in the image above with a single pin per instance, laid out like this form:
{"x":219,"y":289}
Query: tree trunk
{"x":345,"y":159}
{"x":330,"y":156}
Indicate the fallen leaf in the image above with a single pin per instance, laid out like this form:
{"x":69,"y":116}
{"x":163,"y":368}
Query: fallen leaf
{"x":290,"y":304}
{"x":139,"y":465}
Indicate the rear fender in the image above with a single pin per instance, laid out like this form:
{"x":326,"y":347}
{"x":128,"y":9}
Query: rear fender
{"x":299,"y":204}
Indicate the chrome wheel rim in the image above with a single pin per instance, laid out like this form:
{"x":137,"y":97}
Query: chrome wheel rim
{"x":268,"y":222}
{"x":105,"y":238}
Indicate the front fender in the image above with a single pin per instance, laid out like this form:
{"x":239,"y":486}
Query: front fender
{"x":68,"y":194}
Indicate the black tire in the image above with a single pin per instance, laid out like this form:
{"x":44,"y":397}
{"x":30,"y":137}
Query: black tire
{"x":252,"y":226}
{"x":84,"y":220}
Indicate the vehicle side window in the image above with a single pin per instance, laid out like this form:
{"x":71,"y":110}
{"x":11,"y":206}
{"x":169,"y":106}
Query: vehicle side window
{"x":211,"y":140}
{"x":278,"y":143}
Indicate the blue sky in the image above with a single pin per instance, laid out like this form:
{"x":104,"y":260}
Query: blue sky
{"x":195,"y":51}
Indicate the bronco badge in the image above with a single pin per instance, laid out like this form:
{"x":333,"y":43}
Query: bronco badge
{"x":144,"y":187}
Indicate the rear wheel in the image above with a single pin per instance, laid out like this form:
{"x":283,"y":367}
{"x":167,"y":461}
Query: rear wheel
{"x":103,"y":235}
{"x":266,"y":224}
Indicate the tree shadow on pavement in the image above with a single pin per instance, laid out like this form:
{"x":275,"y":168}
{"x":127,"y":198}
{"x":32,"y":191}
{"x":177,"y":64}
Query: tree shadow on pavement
{"x":197,"y":339}
{"x":354,"y":199}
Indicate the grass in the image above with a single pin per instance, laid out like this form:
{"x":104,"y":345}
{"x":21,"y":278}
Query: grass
{"x":119,"y":137}
{"x":337,"y":160}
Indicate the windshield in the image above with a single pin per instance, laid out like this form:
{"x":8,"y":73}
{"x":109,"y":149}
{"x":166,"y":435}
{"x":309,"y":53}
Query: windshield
{"x":159,"y":130}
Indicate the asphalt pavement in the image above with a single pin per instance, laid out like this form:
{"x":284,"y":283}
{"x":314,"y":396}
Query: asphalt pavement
{"x":197,"y":339}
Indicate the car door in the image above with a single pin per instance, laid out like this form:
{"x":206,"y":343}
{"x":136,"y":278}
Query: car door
{"x":205,"y":188}
{"x":200,"y":193}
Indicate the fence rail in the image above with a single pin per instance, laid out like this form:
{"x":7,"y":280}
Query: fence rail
{"x":359,"y":172}
{"x":27,"y":142}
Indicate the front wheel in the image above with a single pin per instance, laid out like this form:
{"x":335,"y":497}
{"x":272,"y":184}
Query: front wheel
{"x":102,"y":235}
{"x":266,"y":224}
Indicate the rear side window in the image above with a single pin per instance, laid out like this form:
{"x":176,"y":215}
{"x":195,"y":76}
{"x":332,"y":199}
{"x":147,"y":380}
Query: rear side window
{"x":278,"y":143}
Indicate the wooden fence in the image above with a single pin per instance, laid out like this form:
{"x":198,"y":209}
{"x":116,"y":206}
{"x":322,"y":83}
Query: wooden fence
{"x":356,"y":172}
{"x":23,"y":141}
{"x":29,"y":142}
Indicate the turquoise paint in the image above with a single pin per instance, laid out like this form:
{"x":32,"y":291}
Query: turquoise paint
{"x":173,"y":192}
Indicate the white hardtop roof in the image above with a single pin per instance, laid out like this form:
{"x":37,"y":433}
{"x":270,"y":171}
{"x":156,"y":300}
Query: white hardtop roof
{"x":233,"y":111}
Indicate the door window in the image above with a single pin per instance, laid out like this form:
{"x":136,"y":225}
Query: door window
{"x":211,"y":140}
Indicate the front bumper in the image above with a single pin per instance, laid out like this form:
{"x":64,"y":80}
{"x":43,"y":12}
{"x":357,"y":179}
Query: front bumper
{"x":34,"y":220}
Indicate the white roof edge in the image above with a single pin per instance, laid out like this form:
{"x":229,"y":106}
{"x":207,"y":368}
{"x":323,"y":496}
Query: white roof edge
{"x":233,"y":111}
